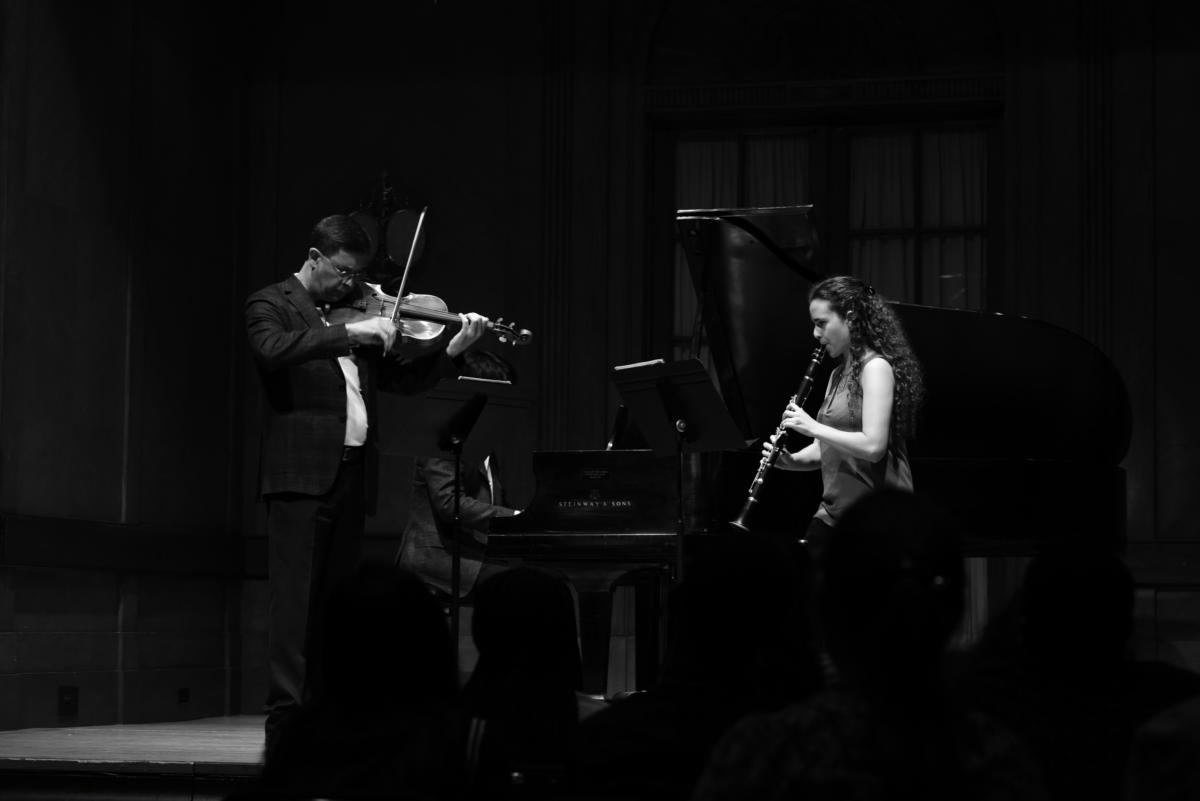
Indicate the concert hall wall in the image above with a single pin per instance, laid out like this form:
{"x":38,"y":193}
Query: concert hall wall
{"x":121,"y":482}
{"x":159,"y":161}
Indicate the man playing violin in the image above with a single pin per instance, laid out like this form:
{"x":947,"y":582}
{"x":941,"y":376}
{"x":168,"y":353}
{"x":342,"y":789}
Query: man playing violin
{"x":318,"y":464}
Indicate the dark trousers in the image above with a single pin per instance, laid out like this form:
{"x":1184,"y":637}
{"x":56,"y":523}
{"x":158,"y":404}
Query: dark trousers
{"x":313,"y":541}
{"x":816,"y":538}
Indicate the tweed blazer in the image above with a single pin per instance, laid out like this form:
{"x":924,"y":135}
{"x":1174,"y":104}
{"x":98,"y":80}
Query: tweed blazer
{"x":304,"y":425}
{"x":430,"y":530}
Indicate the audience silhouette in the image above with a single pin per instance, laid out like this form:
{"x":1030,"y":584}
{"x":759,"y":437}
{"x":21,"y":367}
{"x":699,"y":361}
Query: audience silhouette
{"x":1056,"y":668}
{"x":1049,"y":704}
{"x":891,"y":594}
{"x":386,"y":721}
{"x":1162,"y":759}
{"x":521,"y":697}
{"x":737,"y":644}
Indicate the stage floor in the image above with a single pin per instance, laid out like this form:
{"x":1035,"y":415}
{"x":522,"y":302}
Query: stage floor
{"x":216,"y":752}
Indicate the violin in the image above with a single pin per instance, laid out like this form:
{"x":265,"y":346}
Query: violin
{"x":420,"y":319}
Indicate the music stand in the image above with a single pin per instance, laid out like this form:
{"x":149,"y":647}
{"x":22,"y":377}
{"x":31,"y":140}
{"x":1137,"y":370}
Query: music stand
{"x":468,"y":417}
{"x":678,"y":410}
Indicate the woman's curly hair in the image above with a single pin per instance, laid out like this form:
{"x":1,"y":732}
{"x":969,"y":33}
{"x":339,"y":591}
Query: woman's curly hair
{"x":874,"y":327}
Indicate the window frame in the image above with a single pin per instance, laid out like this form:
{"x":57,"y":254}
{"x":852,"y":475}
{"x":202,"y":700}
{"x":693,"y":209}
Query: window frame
{"x":920,"y":232}
{"x":829,"y":148}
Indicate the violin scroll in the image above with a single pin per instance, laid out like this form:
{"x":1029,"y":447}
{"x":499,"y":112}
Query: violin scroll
{"x":509,"y":333}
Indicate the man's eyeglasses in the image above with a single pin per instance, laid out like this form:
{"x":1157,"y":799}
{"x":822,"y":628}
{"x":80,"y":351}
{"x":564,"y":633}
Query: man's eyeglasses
{"x":343,"y":272}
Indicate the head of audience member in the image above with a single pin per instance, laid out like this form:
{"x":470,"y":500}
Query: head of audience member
{"x":524,"y":684}
{"x":524,"y":630}
{"x":741,"y":618}
{"x":1162,"y":762}
{"x":387,"y":647}
{"x":386,"y":719}
{"x":892,"y":593}
{"x":1076,"y":609}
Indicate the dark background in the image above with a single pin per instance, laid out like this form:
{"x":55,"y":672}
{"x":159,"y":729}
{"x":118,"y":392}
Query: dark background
{"x":162,"y":160}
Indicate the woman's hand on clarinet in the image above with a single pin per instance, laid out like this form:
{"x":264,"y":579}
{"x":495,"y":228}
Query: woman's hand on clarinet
{"x":473,"y":326}
{"x":784,"y":460}
{"x":800,"y":421}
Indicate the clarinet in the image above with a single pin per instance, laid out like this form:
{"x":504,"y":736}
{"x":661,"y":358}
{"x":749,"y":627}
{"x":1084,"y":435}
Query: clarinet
{"x":768,"y":461}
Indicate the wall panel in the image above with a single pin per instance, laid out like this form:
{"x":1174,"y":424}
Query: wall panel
{"x":120,"y":254}
{"x":67,"y":267}
{"x":1177,"y":283}
{"x":120,"y":262}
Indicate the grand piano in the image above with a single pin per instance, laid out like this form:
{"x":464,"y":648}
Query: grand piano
{"x":1022,"y":435}
{"x":1024,"y":426}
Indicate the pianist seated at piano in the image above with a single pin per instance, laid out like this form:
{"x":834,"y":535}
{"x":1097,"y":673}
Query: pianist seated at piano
{"x":426,"y":545}
{"x":859,"y":436}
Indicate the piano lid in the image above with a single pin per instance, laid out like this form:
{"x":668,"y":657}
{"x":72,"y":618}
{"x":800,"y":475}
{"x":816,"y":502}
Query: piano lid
{"x":751,"y":270}
{"x":998,"y":386}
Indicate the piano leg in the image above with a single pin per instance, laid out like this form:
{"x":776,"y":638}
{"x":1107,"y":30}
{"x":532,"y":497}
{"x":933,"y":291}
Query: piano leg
{"x":595,"y":616}
{"x":651,"y":603}
{"x":595,"y":592}
{"x":593,"y":585}
{"x":650,"y":586}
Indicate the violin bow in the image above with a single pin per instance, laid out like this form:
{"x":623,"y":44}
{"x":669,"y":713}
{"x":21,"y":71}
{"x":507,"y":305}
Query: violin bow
{"x":412,"y":250}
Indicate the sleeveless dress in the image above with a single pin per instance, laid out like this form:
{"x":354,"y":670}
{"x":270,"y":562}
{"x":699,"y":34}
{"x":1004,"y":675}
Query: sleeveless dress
{"x":847,"y":478}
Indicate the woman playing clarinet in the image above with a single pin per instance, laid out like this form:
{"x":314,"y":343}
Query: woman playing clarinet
{"x":870,"y":403}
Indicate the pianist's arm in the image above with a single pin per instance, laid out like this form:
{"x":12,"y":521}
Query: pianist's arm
{"x":475,"y":507}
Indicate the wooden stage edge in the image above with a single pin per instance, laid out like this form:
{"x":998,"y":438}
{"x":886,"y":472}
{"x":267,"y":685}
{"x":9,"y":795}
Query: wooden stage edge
{"x":226,"y":748}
